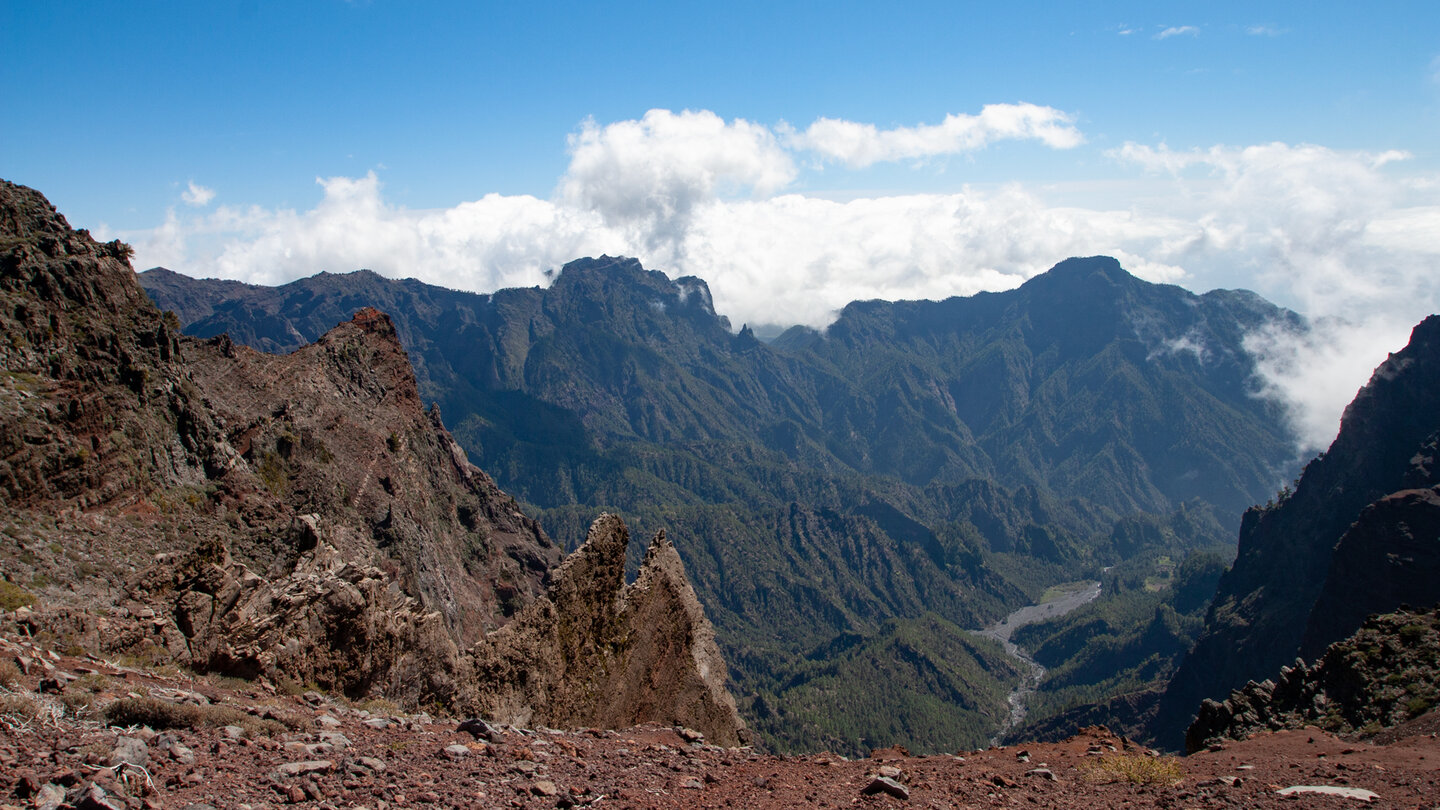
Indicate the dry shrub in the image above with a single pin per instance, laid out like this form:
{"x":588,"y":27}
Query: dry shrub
{"x":19,"y":706}
{"x":26,"y":708}
{"x":93,"y":682}
{"x":79,"y":705}
{"x":10,"y":674}
{"x":1136,"y":769}
{"x":158,"y":714}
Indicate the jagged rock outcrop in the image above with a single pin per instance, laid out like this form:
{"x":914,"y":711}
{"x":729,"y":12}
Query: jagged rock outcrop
{"x":1385,"y":674}
{"x":326,"y":621}
{"x":338,"y":427}
{"x":595,"y":651}
{"x":1302,"y":571}
{"x":296,"y":517}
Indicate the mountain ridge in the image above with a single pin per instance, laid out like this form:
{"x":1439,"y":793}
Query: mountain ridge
{"x":846,"y":484}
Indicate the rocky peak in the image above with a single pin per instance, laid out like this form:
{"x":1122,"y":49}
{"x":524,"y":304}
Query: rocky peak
{"x":626,"y":295}
{"x":1083,"y":270}
{"x":374,"y":322}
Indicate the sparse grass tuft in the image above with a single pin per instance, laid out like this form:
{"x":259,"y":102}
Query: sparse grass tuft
{"x":1136,"y":769}
{"x":379,"y":706}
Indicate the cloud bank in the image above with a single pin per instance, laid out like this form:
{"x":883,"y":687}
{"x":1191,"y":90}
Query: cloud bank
{"x":1346,"y":237}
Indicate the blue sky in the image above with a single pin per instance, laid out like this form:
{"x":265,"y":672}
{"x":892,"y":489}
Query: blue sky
{"x":796,"y":155}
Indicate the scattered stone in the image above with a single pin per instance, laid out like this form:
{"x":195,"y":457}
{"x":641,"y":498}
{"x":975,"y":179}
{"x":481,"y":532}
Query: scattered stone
{"x":49,"y":797}
{"x":232,"y":732}
{"x":690,"y":735}
{"x":1043,"y":773}
{"x":95,"y":798}
{"x":327,"y":721}
{"x":691,"y":783}
{"x":544,"y":787}
{"x":525,"y":766}
{"x":182,"y":754}
{"x":372,"y":764}
{"x":131,"y":750}
{"x":1331,"y":790}
{"x":378,"y":723}
{"x":888,"y":786}
{"x":456,"y":751}
{"x":27,"y":784}
{"x":480,"y":730}
{"x":334,"y":738}
{"x":890,"y":771}
{"x":307,"y":767}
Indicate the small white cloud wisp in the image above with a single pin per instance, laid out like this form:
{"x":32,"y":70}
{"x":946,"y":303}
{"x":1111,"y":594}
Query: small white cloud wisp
{"x":1345,"y":237}
{"x":1177,"y":31}
{"x":197,"y":195}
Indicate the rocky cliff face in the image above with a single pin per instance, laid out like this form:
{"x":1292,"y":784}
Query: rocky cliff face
{"x":296,"y":517}
{"x":1303,"y":572}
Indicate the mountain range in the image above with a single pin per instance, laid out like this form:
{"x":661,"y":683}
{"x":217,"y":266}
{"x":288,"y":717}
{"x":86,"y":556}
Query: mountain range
{"x":847,"y":502}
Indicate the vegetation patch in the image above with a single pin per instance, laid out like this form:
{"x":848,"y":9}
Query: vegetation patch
{"x":160,"y":714}
{"x":1137,"y":769}
{"x":13,"y":596}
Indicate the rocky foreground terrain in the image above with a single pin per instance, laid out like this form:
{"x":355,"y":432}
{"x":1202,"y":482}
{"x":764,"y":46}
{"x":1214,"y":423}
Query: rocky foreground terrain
{"x":179,"y":741}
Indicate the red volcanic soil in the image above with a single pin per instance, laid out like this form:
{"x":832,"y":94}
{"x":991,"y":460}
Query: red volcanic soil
{"x":316,"y":750}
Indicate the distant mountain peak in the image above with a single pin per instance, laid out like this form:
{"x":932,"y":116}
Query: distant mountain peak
{"x":1086,"y":270}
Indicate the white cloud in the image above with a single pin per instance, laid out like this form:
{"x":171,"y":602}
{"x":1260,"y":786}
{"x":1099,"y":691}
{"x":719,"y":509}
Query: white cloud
{"x":859,"y":145}
{"x":1264,"y":31}
{"x":1345,"y":237}
{"x":1178,"y":30}
{"x":198,"y":196}
{"x":648,"y":175}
